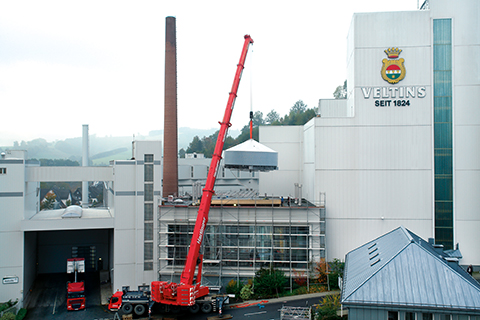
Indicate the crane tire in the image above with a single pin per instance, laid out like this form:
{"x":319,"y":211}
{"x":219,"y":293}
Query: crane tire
{"x":139,"y":309}
{"x":194,"y":309}
{"x":206,"y":307}
{"x":127,"y":308}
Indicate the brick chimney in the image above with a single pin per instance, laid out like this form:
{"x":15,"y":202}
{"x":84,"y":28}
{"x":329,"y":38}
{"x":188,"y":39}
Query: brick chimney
{"x":170,"y":134}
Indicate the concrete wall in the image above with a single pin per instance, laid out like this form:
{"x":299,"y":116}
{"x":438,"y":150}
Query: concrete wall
{"x":12,"y":192}
{"x":128,"y":194}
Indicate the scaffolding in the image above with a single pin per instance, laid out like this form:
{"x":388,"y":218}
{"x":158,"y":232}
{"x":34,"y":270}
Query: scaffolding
{"x":295,"y":313}
{"x":241,"y":238}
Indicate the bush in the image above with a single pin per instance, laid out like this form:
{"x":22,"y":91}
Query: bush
{"x":269,"y":282}
{"x":328,"y":309}
{"x":8,"y":304}
{"x":313,"y":288}
{"x":8,"y":316}
{"x":234,"y":287}
{"x":21,"y":314}
{"x":246,"y":292}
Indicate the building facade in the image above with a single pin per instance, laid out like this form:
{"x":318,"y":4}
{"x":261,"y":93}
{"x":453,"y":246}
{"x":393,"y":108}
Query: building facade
{"x":400,"y":150}
{"x":243,"y":235}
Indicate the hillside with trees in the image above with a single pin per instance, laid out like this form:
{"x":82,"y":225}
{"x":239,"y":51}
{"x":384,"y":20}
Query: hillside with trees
{"x":299,"y":114}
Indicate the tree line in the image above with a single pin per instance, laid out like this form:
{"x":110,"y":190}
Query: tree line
{"x":299,"y":114}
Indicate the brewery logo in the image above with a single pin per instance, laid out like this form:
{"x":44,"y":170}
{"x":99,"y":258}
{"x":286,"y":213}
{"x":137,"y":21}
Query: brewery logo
{"x":393,"y":69}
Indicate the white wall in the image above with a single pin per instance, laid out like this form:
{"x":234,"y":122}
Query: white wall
{"x":376,"y":167}
{"x":466,"y":116}
{"x":129,"y":217}
{"x":288,"y":142}
{"x":12,"y":192}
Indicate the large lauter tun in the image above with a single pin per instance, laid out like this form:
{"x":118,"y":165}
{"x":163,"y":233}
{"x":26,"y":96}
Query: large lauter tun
{"x":170,"y":144}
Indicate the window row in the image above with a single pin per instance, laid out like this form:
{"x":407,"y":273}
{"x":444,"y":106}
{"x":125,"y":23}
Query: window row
{"x":246,"y":229}
{"x":222,"y":240}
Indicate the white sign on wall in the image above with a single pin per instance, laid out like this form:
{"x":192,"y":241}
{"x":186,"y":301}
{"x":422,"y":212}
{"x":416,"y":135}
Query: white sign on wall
{"x":10,"y":280}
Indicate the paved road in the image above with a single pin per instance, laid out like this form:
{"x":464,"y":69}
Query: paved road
{"x":50,"y":304}
{"x":48,"y":298}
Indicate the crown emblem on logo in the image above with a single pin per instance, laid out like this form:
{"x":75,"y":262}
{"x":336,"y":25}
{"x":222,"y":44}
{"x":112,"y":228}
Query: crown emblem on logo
{"x":393,"y":69}
{"x":393,"y":53}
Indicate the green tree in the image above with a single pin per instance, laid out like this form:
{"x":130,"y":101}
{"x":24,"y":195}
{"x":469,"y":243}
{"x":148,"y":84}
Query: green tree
{"x":272,"y":117}
{"x":299,"y":114}
{"x":269,"y":282}
{"x":245,"y":134}
{"x":336,"y":271}
{"x":258,"y":119}
{"x":195,"y":146}
{"x":181,"y":153}
{"x":49,"y":201}
{"x":298,"y":107}
{"x":341,"y":91}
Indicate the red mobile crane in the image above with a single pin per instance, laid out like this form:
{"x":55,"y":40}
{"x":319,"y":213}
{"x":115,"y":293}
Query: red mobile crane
{"x":189,"y":292}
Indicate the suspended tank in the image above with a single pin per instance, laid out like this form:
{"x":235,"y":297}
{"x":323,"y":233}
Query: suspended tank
{"x":251,"y":156}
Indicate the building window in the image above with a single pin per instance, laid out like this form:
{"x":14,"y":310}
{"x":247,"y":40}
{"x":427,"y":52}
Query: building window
{"x":148,"y":234}
{"x":445,"y":317}
{"x":148,"y":266}
{"x":148,"y":195}
{"x":241,"y":245}
{"x":392,"y":315}
{"x":148,"y":251}
{"x":148,"y":231}
{"x":148,"y":211}
{"x":148,"y":158}
{"x":148,"y":172}
{"x":3,"y":170}
{"x":410,"y":316}
{"x":442,"y":131}
{"x":427,"y":316}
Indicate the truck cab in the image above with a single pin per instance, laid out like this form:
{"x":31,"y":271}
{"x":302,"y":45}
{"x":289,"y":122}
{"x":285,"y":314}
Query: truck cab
{"x":75,"y":296}
{"x":115,"y":302}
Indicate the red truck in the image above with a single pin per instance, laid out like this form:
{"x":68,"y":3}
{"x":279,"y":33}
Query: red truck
{"x":189,"y":293}
{"x":75,"y":296}
{"x":76,"y":289}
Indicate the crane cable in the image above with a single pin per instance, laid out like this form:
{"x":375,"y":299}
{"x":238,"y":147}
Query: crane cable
{"x":251,"y":94}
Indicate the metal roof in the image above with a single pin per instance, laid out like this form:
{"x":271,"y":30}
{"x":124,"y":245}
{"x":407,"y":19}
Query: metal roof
{"x":401,"y":269}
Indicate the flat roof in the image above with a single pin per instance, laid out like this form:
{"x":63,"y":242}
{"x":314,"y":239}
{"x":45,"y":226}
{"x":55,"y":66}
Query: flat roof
{"x":91,"y":218}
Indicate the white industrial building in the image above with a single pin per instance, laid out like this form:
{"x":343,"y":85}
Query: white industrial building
{"x":391,"y":154}
{"x":400,"y":153}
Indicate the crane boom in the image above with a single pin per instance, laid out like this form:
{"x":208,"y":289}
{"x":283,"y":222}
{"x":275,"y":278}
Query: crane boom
{"x":186,"y":293}
{"x":187,"y":276}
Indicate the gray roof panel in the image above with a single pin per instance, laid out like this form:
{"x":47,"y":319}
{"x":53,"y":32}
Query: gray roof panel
{"x":410,"y":273}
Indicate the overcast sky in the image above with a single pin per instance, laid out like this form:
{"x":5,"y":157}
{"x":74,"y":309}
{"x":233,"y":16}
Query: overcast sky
{"x":68,"y":63}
